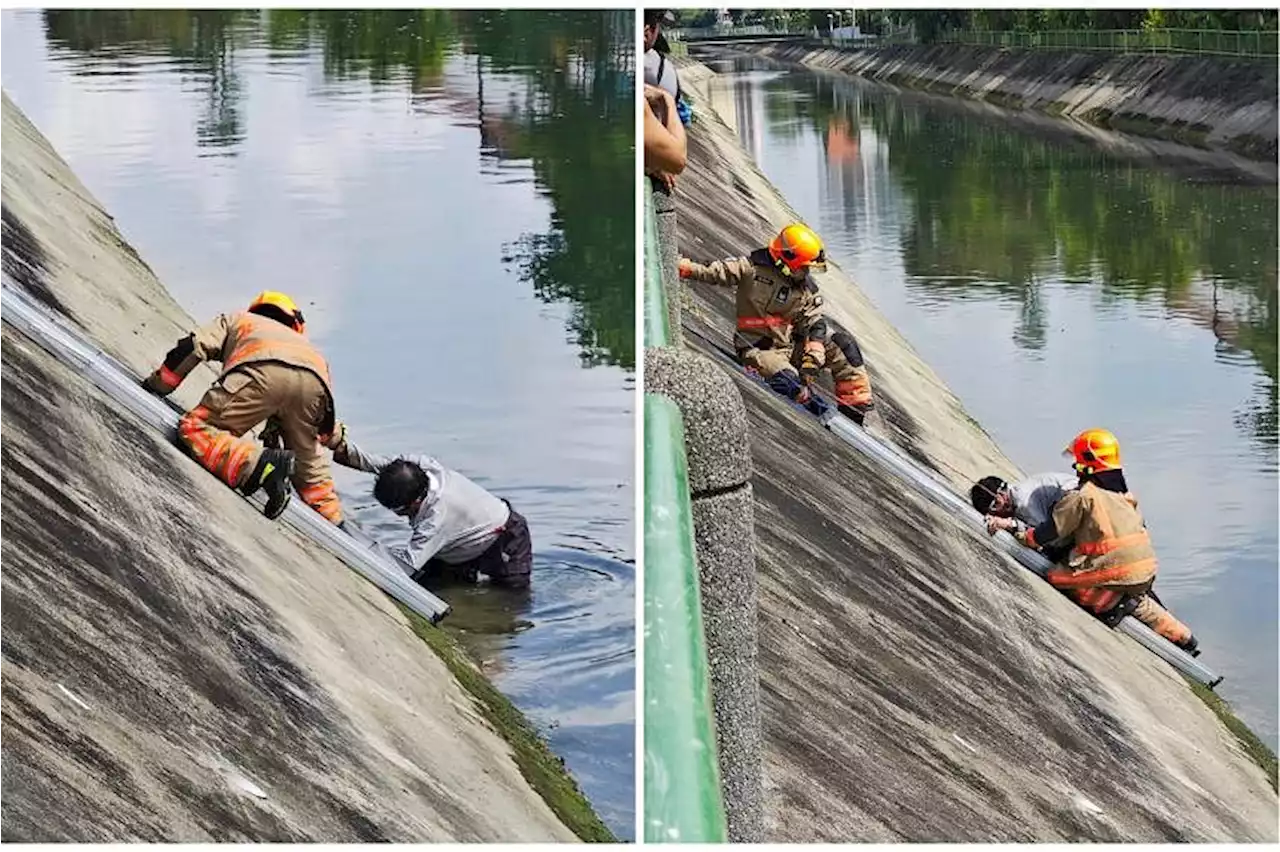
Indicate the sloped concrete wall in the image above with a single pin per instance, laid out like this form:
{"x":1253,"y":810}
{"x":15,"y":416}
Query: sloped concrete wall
{"x":176,"y":666}
{"x":1209,"y":101}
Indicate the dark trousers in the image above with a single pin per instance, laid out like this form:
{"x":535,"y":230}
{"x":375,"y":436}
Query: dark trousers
{"x":508,"y":561}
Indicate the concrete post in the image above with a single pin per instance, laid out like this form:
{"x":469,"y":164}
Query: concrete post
{"x":664,"y":208}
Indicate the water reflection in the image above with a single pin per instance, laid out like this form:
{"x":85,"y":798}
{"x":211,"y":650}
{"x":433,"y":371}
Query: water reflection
{"x":573,"y":121}
{"x":1055,"y":286}
{"x":999,"y":213}
{"x":450,"y":195}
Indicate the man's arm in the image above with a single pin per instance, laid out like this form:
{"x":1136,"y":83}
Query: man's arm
{"x":729,"y":272}
{"x":1061,"y":526}
{"x":665,"y":146}
{"x":203,"y":344}
{"x":349,"y":455}
{"x":426,"y":539}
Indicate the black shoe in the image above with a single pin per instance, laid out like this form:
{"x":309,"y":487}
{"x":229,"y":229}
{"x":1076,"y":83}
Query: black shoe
{"x":274,"y":470}
{"x":857,"y":415}
{"x":1191,"y":646}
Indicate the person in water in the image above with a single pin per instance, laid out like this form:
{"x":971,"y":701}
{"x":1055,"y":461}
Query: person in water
{"x":459,"y":530}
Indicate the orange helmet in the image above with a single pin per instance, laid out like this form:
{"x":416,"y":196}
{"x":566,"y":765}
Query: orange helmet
{"x":1094,"y":450}
{"x":285,"y":309}
{"x":796,"y":249}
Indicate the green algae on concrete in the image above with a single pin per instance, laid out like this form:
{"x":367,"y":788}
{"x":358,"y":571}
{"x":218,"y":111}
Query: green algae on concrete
{"x":1255,"y":748}
{"x":544,"y":771}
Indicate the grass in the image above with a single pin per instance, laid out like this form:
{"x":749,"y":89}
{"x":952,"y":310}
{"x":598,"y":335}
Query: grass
{"x":1255,"y":748}
{"x":544,"y":771}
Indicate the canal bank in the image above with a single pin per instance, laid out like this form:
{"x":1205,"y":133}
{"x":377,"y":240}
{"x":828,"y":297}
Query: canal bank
{"x":176,"y":666}
{"x":914,"y":685}
{"x":1209,"y":102}
{"x":293,"y":147}
{"x":1018,"y":262}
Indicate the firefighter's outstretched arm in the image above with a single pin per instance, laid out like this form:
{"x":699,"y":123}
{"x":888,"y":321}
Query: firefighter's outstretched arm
{"x":203,"y":344}
{"x":729,"y":272}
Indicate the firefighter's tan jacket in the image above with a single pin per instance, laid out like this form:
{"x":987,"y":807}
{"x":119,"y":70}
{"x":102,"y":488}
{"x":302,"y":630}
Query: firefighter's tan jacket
{"x":1110,"y":543}
{"x":244,"y":338}
{"x":771,"y":306}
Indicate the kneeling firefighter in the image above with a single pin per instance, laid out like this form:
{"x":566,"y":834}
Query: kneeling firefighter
{"x":269,"y":370}
{"x":1111,"y":565}
{"x":781,"y":332}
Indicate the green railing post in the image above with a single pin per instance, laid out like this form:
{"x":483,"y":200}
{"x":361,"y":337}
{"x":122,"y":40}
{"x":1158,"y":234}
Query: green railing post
{"x":683,"y":795}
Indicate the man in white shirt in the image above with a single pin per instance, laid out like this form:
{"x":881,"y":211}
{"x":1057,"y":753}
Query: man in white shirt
{"x":459,"y":529}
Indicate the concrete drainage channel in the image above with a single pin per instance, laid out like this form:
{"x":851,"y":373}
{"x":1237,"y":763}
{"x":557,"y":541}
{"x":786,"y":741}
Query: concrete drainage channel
{"x":700,"y":596}
{"x":356,"y":549}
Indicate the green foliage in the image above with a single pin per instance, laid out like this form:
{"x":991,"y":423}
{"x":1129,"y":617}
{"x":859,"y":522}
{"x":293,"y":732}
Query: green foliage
{"x":931,"y":23}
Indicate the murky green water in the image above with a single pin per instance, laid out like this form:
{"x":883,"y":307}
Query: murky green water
{"x":450,"y":197}
{"x":1054,"y":288}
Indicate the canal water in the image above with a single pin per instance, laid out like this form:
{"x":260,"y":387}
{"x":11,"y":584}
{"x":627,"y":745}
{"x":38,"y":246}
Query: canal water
{"x":450,"y":198}
{"x":1055,"y":288}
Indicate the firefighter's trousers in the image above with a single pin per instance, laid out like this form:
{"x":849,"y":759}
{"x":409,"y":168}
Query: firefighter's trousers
{"x":214,"y":431}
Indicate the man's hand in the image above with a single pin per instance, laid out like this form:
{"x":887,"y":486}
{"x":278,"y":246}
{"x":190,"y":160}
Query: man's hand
{"x":994,"y":524}
{"x":337,"y":437}
{"x":667,"y":179}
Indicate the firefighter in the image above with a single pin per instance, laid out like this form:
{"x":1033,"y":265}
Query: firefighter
{"x":1110,"y":556}
{"x":781,"y":332}
{"x":269,"y":370}
{"x":459,"y":530}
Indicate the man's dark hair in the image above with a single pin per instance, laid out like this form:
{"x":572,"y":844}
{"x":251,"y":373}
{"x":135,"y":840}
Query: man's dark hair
{"x":983,"y":493}
{"x":400,"y":483}
{"x":654,"y":16}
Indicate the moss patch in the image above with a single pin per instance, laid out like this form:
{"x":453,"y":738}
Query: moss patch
{"x":1255,"y":748}
{"x":544,"y":771}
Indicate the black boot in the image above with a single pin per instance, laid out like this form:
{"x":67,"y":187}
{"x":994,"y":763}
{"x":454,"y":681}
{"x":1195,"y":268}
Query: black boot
{"x":857,"y":415}
{"x":1191,"y":646}
{"x":274,"y":470}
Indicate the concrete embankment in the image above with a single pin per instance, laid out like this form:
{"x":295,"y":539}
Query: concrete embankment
{"x":915,"y":685}
{"x":176,"y":666}
{"x":1209,"y":102}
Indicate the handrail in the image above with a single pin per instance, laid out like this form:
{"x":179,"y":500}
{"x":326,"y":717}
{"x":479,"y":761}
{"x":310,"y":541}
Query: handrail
{"x":683,"y":801}
{"x":1257,"y":44}
{"x":683,"y":796}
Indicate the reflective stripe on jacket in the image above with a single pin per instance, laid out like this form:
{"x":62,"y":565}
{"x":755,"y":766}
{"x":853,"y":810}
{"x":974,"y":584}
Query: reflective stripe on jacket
{"x":1110,"y":545}
{"x":769,"y":304}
